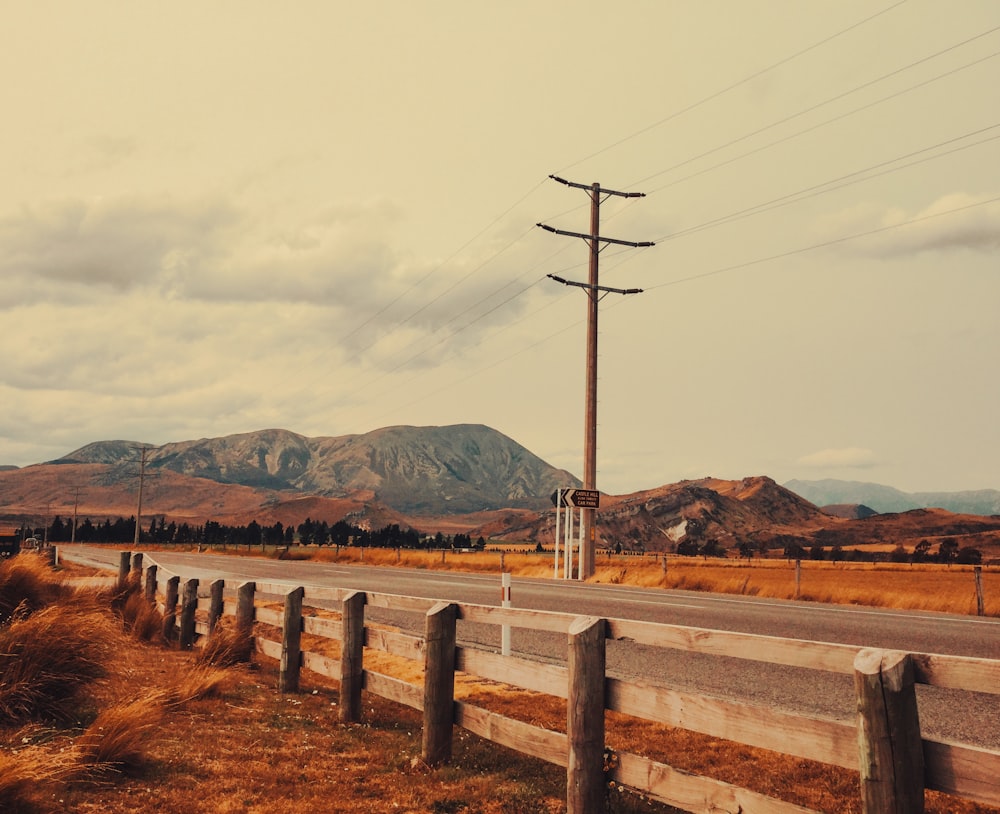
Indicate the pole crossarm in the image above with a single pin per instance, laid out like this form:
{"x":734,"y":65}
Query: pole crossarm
{"x":632,"y":243}
{"x":601,"y":189}
{"x":595,"y":287}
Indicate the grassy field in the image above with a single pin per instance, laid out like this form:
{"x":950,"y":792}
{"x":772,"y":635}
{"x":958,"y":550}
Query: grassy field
{"x":98,"y":714}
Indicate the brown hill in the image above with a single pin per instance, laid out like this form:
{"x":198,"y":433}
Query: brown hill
{"x":754,"y":510}
{"x":37,"y":494}
{"x":424,"y":470}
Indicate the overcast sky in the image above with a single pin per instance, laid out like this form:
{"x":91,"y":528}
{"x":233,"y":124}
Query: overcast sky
{"x":320,"y":216}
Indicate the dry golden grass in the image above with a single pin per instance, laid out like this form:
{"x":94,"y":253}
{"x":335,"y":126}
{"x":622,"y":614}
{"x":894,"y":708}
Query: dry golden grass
{"x":226,"y":646}
{"x":119,"y":736}
{"x":27,"y":583}
{"x":50,"y":658}
{"x":928,"y":587}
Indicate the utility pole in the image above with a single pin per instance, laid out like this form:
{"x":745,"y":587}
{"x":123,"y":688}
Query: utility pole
{"x":143,"y":457}
{"x":76,"y":506}
{"x":595,"y":293}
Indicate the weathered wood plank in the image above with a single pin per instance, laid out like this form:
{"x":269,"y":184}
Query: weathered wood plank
{"x":826,"y":741}
{"x":275,"y":589}
{"x":269,"y":616}
{"x":524,"y":738}
{"x":965,"y":771}
{"x":396,"y":644}
{"x":957,"y":672}
{"x":318,"y":626}
{"x":412,"y":604}
{"x":320,"y":664}
{"x":694,"y":793}
{"x":402,"y":692}
{"x":536,"y":620}
{"x":323,"y":593}
{"x":269,"y":648}
{"x":529,"y":675}
{"x":837,"y":658}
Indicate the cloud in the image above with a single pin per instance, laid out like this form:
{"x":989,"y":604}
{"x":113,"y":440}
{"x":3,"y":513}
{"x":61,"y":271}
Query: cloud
{"x":116,"y":244}
{"x":845,"y":457}
{"x":955,"y":222}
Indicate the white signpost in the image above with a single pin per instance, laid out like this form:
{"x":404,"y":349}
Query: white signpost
{"x":571,"y":499}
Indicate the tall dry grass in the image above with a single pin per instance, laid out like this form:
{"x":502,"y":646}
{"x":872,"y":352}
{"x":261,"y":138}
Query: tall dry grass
{"x":49,"y":659}
{"x":119,"y":737}
{"x":27,"y":583}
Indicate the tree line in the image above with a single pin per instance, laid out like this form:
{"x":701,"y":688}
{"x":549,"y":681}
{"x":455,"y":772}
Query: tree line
{"x":211,"y":533}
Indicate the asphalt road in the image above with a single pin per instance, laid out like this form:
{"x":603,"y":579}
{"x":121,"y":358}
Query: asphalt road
{"x":970,"y":717}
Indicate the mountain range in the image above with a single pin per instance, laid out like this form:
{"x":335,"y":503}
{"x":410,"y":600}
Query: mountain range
{"x":887,"y":499}
{"x":415,"y":470}
{"x":463,"y":478}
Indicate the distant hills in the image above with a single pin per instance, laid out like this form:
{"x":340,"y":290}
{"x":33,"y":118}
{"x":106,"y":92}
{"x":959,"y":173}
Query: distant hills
{"x":472,"y":479}
{"x":414,"y":470}
{"x":887,"y":499}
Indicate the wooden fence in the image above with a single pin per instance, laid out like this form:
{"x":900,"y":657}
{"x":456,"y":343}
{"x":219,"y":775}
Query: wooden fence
{"x":895,"y":763}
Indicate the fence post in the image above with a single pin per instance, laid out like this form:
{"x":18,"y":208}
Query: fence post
{"x":150,"y":591}
{"x":170,"y":607}
{"x":124,"y":566}
{"x":291,"y":641}
{"x":137,"y":562}
{"x":980,"y":602}
{"x":244,"y":608}
{"x":439,"y":683}
{"x":585,"y":716}
{"x":798,"y":579}
{"x":890,"y":750}
{"x":215,"y":603}
{"x":352,"y":610}
{"x":189,"y":605}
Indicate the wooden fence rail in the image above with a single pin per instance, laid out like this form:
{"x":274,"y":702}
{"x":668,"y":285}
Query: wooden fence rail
{"x":894,"y":761}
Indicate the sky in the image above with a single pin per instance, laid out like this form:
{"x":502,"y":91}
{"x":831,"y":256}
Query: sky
{"x":321,"y":216}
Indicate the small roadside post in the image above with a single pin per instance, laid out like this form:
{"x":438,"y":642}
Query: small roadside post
{"x":505,"y":603}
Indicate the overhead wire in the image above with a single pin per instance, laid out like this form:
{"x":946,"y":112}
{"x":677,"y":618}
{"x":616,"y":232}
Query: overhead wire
{"x":831,"y":100}
{"x":737,"y":84}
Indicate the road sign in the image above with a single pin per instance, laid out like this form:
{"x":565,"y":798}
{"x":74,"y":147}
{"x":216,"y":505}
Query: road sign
{"x":580,"y":498}
{"x":584,"y":498}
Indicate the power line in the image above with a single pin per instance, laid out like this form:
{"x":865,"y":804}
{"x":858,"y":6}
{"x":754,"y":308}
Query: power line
{"x":736,"y":84}
{"x":818,"y":105}
{"x":822,"y":245}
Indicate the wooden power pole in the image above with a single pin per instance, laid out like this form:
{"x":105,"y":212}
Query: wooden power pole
{"x":143,"y":457}
{"x":595,"y":293}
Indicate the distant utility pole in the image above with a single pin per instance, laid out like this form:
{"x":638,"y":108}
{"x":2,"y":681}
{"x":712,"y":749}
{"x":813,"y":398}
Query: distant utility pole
{"x":595,"y":293}
{"x":76,"y":506}
{"x":143,"y":457}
